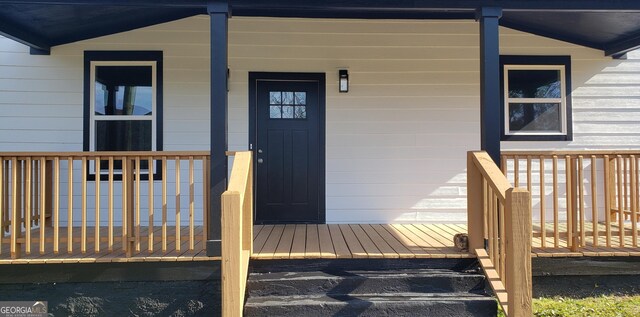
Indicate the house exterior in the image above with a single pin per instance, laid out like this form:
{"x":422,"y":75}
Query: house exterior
{"x":425,"y":83}
{"x":395,"y":143}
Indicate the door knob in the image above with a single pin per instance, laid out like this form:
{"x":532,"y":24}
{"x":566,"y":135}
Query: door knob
{"x":259,"y":150}
{"x":260,"y":161}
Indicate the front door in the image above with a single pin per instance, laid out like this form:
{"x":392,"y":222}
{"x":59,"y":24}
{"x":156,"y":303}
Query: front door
{"x":288,"y":112}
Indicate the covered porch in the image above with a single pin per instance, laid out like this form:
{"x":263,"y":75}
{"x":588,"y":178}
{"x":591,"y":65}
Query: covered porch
{"x":224,"y":81}
{"x":190,"y":209}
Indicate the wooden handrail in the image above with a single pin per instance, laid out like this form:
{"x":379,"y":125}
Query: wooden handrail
{"x":492,"y":174}
{"x":568,"y":152}
{"x":37,"y":203}
{"x":93,"y":154}
{"x":588,"y":181}
{"x":499,"y":216}
{"x":237,"y":234}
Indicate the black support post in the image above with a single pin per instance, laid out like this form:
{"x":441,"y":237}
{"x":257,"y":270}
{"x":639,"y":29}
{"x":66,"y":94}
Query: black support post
{"x":219,"y":13}
{"x":490,"y":81}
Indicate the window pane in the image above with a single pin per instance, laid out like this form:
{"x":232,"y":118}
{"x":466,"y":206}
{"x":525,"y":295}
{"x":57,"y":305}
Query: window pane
{"x":124,"y":90}
{"x":123,"y":135}
{"x":301,"y":112}
{"x":274,"y":112}
{"x":287,"y":112}
{"x":535,"y":117}
{"x":275,"y":97}
{"x":287,"y":98}
{"x":534,"y":84}
{"x":102,"y":97}
{"x":301,"y":98}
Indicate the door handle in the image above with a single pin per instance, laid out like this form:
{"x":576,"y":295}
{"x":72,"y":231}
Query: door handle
{"x":260,"y":161}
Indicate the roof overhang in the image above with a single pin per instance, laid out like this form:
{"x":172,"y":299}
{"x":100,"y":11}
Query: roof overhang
{"x":610,"y":26}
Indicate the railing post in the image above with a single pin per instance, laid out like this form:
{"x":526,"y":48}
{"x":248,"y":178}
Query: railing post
{"x":247,"y":220}
{"x":518,"y":252}
{"x":475,"y":218}
{"x":232,"y":295}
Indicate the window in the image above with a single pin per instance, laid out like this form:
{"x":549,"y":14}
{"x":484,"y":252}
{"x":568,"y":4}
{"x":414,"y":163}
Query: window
{"x":123,"y":103}
{"x":287,"y":105}
{"x":536,"y":98}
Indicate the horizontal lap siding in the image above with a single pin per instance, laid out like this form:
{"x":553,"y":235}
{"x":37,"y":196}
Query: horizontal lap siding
{"x":40,"y":100}
{"x":41,"y":109}
{"x":395,"y":144}
{"x":396,"y":141}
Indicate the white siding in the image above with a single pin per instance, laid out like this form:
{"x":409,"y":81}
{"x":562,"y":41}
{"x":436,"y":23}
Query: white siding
{"x":396,"y":143}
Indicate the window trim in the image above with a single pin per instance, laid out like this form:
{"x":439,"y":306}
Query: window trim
{"x":93,"y":118}
{"x":124,"y":58}
{"x":523,"y":62}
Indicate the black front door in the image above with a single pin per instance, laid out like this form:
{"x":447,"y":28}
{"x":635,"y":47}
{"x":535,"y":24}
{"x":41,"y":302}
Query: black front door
{"x":289,"y":148}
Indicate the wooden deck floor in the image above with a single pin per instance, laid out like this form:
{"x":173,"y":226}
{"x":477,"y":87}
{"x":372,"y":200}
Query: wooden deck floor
{"x":357,"y":241}
{"x":75,"y":255}
{"x":313,"y":242}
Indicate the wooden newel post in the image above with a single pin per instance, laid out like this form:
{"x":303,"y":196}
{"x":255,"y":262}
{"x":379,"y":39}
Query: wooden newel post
{"x":475,"y":217}
{"x":231,"y":267}
{"x":247,"y":212}
{"x":518,"y":252}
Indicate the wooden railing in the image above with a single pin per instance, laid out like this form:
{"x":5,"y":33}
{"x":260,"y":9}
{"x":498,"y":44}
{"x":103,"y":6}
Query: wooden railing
{"x":237,"y":234}
{"x":103,"y":202}
{"x":499,"y":222}
{"x":582,"y":199}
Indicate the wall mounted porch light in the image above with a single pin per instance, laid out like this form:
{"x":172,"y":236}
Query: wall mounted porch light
{"x":343,"y":80}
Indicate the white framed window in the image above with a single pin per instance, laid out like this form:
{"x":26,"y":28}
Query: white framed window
{"x":122,"y":104}
{"x":536,"y":101}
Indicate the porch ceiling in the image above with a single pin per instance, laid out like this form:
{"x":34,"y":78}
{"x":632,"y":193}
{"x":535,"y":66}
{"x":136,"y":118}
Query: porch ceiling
{"x":611,"y":26}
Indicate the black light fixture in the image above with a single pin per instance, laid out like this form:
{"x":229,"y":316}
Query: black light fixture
{"x":343,"y":80}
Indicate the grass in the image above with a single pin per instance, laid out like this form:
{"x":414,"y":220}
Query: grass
{"x":603,"y":306}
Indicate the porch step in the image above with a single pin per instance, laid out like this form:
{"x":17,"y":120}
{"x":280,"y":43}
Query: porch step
{"x":367,"y":288}
{"x":398,"y":304}
{"x":364,"y":282}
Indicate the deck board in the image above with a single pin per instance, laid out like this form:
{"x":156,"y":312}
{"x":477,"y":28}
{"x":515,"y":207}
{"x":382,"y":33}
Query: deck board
{"x":407,"y":239}
{"x":261,"y":238}
{"x":364,"y":241}
{"x":283,"y":250}
{"x":338,"y":242}
{"x":312,"y":245}
{"x":328,"y":247}
{"x":386,"y":250}
{"x":399,"y":248}
{"x":299,"y":244}
{"x":356,"y":249}
{"x":271,"y":243}
{"x":103,"y":255}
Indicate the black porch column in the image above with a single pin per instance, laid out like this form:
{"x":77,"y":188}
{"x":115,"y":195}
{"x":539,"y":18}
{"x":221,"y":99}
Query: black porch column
{"x":490,"y":81}
{"x":219,"y":13}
